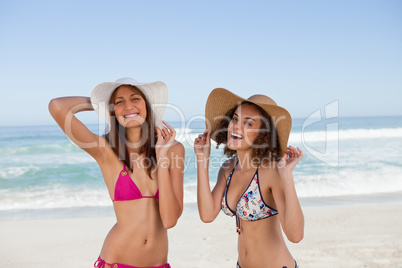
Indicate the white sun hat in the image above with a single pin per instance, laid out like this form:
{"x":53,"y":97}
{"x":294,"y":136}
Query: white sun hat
{"x":155,"y":92}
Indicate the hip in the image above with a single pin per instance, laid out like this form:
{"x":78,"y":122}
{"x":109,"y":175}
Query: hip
{"x":100,"y":263}
{"x":238,"y":266}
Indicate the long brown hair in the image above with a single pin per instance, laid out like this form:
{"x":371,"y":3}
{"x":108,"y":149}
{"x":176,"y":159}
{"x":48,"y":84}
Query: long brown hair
{"x":266,"y":144}
{"x":117,"y":135}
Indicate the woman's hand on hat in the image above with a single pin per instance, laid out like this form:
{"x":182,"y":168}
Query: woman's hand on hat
{"x":202,"y":145}
{"x":290,"y":159}
{"x":166,"y":138}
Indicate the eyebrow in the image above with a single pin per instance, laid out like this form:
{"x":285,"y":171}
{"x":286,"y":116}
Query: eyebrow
{"x":130,"y":96}
{"x":250,"y":118}
{"x":245,"y":117}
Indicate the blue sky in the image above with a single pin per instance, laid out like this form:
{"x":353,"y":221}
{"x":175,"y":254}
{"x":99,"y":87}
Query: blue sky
{"x":303,"y":54}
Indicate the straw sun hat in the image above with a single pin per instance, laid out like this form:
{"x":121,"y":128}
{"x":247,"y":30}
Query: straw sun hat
{"x":221,"y":100}
{"x":155,"y":92}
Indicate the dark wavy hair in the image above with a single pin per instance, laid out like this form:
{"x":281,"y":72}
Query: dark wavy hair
{"x":118,"y":141}
{"x":265,"y":146}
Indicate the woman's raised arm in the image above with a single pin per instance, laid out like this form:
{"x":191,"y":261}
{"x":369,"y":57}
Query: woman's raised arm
{"x":290,"y":212}
{"x":208,"y":202}
{"x":170,"y":160}
{"x":63,"y":110}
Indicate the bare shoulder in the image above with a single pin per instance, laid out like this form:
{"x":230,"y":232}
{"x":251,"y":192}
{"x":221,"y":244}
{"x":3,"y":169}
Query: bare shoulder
{"x":176,"y":156}
{"x":177,"y":149}
{"x":270,"y":171}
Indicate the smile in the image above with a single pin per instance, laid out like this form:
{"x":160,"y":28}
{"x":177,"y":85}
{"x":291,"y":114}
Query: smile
{"x":130,"y":115}
{"x":236,"y":136}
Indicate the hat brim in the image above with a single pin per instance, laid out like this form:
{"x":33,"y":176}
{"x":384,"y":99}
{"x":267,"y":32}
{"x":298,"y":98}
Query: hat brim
{"x":155,"y":92}
{"x":221,"y":100}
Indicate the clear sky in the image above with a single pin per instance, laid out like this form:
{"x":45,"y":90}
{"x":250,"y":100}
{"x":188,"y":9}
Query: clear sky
{"x":304,"y":54}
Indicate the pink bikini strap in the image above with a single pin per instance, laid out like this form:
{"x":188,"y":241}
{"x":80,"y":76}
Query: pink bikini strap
{"x":100,"y":263}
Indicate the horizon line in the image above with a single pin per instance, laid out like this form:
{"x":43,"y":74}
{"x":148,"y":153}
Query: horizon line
{"x":97,"y":123}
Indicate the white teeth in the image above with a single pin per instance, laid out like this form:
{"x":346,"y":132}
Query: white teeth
{"x":130,"y":115}
{"x":237,"y":136}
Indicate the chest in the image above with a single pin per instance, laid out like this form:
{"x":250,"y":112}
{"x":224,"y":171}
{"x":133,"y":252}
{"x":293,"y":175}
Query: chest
{"x":147,"y":185}
{"x":249,"y":190}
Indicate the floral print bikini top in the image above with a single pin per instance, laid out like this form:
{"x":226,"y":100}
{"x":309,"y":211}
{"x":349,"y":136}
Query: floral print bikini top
{"x":251,"y":206}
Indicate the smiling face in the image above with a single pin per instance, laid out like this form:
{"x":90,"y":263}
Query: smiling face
{"x":244,"y":127}
{"x":129,"y":106}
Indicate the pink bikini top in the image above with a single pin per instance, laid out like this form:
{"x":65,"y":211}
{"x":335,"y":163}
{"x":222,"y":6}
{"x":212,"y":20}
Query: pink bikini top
{"x":125,"y":188}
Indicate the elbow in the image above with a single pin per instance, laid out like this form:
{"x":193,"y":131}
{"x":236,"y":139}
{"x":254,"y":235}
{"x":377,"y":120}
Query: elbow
{"x":169,"y":223}
{"x":206,"y":218}
{"x":206,"y":213}
{"x":296,"y":237}
{"x":295,"y":229}
{"x":54,"y":106}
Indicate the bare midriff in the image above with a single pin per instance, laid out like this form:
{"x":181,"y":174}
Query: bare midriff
{"x":261,"y":245}
{"x":138,"y":238}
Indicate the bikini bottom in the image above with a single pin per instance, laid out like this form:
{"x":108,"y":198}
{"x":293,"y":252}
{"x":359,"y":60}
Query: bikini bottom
{"x":101,"y":264}
{"x":238,"y":266}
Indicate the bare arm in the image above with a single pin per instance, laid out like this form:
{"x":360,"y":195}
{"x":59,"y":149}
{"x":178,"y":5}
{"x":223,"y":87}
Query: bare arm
{"x":170,"y":160}
{"x":63,"y":111}
{"x":290,"y":212}
{"x":208,"y":202}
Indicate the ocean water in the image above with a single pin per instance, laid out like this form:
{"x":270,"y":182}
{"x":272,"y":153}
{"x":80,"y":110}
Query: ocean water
{"x":41,"y":169}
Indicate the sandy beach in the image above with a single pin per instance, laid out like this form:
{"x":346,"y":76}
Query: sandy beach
{"x":339,"y":232}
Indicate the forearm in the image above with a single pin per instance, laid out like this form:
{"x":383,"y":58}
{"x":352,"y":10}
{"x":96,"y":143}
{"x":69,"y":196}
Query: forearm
{"x":205,"y":199}
{"x":169,"y":206}
{"x":294,"y":219}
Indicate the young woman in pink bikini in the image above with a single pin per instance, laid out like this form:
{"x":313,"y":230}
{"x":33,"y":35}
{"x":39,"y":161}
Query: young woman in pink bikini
{"x":256,"y":184}
{"x":141,"y":163}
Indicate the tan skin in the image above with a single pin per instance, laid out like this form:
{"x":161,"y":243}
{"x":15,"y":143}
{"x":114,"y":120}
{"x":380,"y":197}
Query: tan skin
{"x":260,"y":244}
{"x":139,"y":238}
